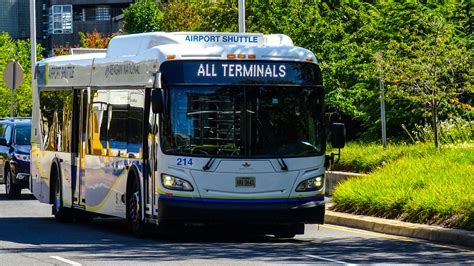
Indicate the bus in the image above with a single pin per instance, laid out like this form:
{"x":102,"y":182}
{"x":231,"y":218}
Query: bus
{"x":182,"y":128}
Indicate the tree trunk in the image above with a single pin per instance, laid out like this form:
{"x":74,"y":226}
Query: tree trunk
{"x":435,"y":122}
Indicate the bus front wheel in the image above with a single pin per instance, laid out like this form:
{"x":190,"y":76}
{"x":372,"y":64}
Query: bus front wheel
{"x":135,"y":223}
{"x":286,"y":234}
{"x":289,"y":231}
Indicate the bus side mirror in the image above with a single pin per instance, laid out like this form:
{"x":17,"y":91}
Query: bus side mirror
{"x":338,"y":135}
{"x":157,"y":101}
{"x":338,"y":141}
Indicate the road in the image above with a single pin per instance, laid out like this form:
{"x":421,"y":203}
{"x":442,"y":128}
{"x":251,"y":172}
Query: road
{"x":29,"y":235}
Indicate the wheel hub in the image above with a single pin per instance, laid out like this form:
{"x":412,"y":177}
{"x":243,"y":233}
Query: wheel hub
{"x":134,"y":207}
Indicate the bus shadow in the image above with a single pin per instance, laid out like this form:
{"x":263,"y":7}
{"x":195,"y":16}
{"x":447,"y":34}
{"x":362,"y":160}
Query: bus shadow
{"x":108,"y":240}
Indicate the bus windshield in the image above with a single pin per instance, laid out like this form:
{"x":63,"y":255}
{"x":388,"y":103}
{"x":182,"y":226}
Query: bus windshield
{"x":243,"y":120}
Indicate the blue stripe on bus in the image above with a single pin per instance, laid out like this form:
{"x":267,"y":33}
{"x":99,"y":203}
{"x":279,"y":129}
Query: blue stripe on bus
{"x":214,"y":200}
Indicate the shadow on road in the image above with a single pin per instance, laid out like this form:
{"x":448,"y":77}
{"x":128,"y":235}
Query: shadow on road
{"x":107,"y":239}
{"x":25,"y":195}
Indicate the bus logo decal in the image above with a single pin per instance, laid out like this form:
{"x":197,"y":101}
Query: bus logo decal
{"x":246,"y":165}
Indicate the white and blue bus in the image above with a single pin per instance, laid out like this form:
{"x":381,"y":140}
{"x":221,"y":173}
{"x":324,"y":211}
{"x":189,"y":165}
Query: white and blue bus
{"x":182,"y":128}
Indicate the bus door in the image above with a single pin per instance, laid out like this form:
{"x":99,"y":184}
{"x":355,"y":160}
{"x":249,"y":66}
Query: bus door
{"x":152,"y":160}
{"x":79,"y":146}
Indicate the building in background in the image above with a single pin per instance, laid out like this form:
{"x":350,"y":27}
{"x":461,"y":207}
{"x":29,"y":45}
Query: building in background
{"x":15,"y":18}
{"x":58,"y":22}
{"x":66,"y":18}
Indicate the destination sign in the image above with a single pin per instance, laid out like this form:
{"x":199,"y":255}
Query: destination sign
{"x":242,"y":70}
{"x":221,"y":38}
{"x":239,"y":72}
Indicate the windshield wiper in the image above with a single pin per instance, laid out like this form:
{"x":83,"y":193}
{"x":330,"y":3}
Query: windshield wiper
{"x":282,"y":163}
{"x":209,"y":163}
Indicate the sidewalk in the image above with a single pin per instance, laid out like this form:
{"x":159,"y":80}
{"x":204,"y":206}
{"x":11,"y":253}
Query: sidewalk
{"x":396,"y":227}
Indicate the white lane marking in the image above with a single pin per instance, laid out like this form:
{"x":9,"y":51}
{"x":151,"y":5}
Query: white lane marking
{"x":331,"y":260}
{"x":66,"y":261}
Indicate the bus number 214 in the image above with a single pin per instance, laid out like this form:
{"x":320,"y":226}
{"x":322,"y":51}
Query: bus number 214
{"x":184,"y":161}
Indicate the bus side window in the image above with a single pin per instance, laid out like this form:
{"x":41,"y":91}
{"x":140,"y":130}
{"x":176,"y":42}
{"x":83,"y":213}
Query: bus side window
{"x":135,"y":133}
{"x":98,"y":121}
{"x":56,"y":116}
{"x":118,"y":131}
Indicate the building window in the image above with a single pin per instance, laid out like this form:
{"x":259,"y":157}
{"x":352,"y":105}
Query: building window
{"x":60,"y":19}
{"x":102,"y":13}
{"x":94,"y":13}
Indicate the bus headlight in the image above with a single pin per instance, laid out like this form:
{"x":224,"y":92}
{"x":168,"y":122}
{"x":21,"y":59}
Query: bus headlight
{"x":311,"y":184}
{"x":175,"y":183}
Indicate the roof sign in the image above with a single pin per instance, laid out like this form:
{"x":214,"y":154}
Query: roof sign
{"x":221,"y":38}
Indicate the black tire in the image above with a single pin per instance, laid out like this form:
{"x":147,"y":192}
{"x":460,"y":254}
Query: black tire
{"x":83,"y":217}
{"x":289,"y":231}
{"x":12,"y":190}
{"x":61,"y":214}
{"x":135,"y":223}
{"x":285,"y":234}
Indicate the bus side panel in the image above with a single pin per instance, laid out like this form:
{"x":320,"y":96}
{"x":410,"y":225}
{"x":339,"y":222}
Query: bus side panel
{"x":106,"y":184}
{"x":41,"y":162}
{"x":39,"y":174}
{"x":66,"y":177}
{"x":37,"y":183}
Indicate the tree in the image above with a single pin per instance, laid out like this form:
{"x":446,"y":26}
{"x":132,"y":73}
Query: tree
{"x":142,"y":16}
{"x":180,"y":16}
{"x":19,"y":51}
{"x":429,"y":68}
{"x":95,"y":39}
{"x":345,"y":36}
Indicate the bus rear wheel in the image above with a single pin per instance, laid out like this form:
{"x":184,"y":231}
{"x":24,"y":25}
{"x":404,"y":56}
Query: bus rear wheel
{"x":61,"y":214}
{"x":135,"y":223}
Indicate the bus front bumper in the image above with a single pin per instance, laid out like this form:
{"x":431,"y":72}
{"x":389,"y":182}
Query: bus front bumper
{"x":177,"y":211}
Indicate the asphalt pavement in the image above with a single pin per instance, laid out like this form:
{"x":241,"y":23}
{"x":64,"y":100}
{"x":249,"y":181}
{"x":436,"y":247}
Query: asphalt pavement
{"x":29,"y":235}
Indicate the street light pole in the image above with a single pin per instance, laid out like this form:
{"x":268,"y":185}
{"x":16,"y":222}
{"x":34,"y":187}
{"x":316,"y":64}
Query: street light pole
{"x":33,"y":37}
{"x":241,"y":16}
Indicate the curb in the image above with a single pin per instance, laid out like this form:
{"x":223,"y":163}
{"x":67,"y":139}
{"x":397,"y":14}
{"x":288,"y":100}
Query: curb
{"x":399,"y":228}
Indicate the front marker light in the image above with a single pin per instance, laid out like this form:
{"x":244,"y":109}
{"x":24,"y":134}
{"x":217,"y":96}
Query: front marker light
{"x":175,"y":183}
{"x":311,"y":184}
{"x":23,"y":157}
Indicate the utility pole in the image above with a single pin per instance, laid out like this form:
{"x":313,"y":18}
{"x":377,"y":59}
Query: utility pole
{"x":382,"y":102}
{"x":241,"y":16}
{"x":33,"y":38}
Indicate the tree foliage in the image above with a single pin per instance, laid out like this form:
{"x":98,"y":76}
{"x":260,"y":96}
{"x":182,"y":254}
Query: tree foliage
{"x":19,"y":51}
{"x":95,"y":39}
{"x":423,"y":44}
{"x":142,"y":16}
{"x":428,"y":68}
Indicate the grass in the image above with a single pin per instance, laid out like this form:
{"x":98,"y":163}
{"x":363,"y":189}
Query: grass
{"x":414,"y":183}
{"x":368,"y":157}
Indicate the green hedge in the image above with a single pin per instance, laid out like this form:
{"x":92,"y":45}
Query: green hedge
{"x":428,"y":186}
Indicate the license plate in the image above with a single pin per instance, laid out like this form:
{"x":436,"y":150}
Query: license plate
{"x":245,"y":181}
